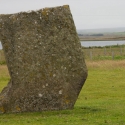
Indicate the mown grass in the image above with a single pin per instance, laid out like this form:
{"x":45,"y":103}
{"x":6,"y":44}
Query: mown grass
{"x":101,"y":101}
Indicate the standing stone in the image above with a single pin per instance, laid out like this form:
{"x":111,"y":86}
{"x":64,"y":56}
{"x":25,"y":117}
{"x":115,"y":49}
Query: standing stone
{"x":44,"y":59}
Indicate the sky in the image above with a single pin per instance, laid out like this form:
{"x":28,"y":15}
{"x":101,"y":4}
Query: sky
{"x":87,"y":14}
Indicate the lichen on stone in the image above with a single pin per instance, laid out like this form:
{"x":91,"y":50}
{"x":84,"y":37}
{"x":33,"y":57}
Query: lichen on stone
{"x":44,"y":59}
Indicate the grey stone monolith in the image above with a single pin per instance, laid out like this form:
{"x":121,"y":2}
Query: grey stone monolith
{"x":44,"y":59}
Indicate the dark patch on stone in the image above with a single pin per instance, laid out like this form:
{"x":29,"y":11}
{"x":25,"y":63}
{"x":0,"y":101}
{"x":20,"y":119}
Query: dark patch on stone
{"x":44,"y":59}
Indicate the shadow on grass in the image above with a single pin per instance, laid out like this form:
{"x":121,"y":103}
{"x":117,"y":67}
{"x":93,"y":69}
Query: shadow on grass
{"x":76,"y":111}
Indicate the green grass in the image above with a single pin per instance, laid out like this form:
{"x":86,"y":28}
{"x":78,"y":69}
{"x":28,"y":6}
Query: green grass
{"x":2,"y":62}
{"x":101,"y":101}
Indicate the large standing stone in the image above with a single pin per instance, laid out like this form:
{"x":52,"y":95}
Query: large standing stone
{"x":44,"y":59}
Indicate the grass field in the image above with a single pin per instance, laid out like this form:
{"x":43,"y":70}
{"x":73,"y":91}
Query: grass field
{"x":101,"y":101}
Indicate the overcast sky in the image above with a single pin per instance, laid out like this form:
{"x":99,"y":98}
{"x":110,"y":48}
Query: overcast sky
{"x":87,"y":14}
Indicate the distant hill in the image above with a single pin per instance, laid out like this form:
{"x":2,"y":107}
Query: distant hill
{"x":102,"y":30}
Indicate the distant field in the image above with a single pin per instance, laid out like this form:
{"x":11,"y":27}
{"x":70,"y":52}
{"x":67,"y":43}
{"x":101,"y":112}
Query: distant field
{"x":101,"y":101}
{"x":2,"y":58}
{"x":101,"y":38}
{"x":4,"y":76}
{"x":95,"y":53}
{"x":105,"y":53}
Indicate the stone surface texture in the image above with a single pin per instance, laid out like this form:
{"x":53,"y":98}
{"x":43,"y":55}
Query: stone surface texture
{"x":44,"y":59}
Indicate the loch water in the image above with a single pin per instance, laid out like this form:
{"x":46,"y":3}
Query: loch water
{"x":101,"y":43}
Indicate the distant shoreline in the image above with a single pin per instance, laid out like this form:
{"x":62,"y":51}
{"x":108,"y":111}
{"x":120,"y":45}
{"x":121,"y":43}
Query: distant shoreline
{"x":101,"y":38}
